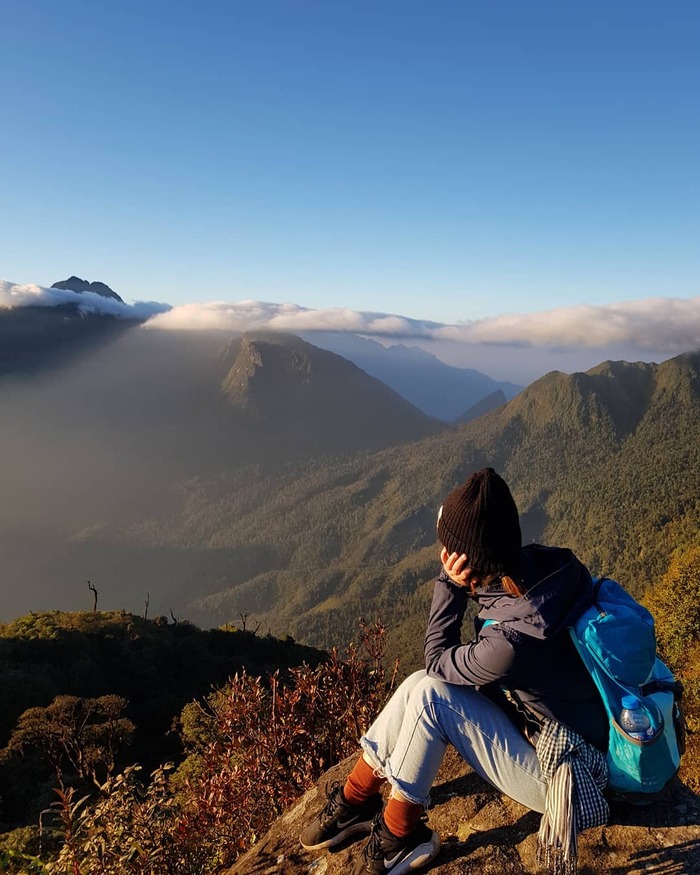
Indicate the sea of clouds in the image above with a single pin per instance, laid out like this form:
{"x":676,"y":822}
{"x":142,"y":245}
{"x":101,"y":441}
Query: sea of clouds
{"x":663,"y":326}
{"x":659,"y":325}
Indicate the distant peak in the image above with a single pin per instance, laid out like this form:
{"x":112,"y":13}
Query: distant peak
{"x":76,"y":284}
{"x":485,"y":405}
{"x":264,"y":362}
{"x":411,"y":353}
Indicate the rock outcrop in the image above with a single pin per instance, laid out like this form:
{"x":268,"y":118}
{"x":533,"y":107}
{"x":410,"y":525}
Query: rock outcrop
{"x":75,"y":284}
{"x":484,"y":832}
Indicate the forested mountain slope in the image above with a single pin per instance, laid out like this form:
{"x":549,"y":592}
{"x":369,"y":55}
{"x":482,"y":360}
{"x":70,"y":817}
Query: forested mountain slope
{"x":108,"y":439}
{"x":249,"y":479}
{"x":607,"y":462}
{"x":303,"y":400}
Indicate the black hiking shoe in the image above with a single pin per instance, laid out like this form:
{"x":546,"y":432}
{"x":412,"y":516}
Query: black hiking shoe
{"x":385,"y":852}
{"x":338,"y":820}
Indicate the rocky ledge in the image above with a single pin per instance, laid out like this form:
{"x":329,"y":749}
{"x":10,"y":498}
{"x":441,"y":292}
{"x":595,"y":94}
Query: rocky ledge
{"x":484,"y":832}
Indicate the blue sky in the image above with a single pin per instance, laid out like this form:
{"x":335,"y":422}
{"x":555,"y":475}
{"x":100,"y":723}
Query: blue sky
{"x":440,"y":160}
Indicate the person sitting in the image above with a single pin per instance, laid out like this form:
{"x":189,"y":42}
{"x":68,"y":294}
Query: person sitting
{"x":515,"y":701}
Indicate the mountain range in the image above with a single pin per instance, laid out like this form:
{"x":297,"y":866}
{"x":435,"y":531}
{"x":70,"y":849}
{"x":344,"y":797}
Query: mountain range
{"x":269,"y":477}
{"x":51,"y":331}
{"x":606,"y":462}
{"x":440,"y":390}
{"x":103,"y":435}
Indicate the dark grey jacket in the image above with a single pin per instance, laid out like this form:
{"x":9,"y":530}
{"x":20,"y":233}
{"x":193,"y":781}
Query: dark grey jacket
{"x":528,"y":650}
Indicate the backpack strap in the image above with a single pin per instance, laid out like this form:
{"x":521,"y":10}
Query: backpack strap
{"x":528,"y":721}
{"x":658,"y":685}
{"x":597,"y":584}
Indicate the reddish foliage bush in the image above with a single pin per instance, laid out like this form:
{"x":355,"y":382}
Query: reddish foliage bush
{"x":266,"y":741}
{"x":272,"y":741}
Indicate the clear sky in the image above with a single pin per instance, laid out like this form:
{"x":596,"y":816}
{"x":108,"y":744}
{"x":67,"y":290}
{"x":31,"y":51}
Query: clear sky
{"x":444,"y":160}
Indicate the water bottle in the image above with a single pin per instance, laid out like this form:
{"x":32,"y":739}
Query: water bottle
{"x":634,"y":719}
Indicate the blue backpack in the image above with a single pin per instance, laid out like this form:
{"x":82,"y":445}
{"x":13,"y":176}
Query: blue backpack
{"x":616,"y":641}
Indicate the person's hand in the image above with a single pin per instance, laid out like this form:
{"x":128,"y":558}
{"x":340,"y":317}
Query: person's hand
{"x":457,"y":568}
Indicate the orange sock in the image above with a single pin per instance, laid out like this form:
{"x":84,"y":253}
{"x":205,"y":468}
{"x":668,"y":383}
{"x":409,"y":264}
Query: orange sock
{"x":402,"y":816}
{"x":361,"y":783}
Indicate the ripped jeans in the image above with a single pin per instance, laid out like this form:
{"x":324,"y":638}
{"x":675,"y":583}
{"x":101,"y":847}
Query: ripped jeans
{"x":408,"y":740}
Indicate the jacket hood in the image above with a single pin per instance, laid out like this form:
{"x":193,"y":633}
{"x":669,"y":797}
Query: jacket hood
{"x":559,"y":589}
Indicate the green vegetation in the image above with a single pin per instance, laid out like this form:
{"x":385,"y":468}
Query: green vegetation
{"x":254,"y":745}
{"x":675,"y":603}
{"x":73,"y":735}
{"x":606,"y":462}
{"x":84,"y":694}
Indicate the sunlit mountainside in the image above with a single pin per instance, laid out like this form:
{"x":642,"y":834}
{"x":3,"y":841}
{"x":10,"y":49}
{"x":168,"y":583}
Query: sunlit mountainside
{"x":606,"y":462}
{"x":264,"y":475}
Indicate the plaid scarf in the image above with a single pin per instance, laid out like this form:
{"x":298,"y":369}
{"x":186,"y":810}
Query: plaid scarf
{"x":576,"y":774}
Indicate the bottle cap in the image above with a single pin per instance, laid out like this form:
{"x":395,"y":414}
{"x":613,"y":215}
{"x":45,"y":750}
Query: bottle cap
{"x":630,"y":702}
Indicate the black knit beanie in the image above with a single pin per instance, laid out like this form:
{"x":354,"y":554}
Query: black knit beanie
{"x":480,"y":519}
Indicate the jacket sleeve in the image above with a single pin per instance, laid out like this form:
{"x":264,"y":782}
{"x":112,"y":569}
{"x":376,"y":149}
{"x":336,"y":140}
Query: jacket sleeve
{"x":482,"y":661}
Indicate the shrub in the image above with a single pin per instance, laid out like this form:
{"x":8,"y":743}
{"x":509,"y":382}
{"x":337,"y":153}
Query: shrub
{"x":133,"y":830}
{"x":259,"y":743}
{"x":272,"y":741}
{"x":675,"y":603}
{"x":19,"y":850}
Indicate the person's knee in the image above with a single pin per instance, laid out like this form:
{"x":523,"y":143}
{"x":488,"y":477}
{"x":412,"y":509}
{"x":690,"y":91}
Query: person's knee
{"x":404,"y":691}
{"x":412,"y":681}
{"x":429,"y":690}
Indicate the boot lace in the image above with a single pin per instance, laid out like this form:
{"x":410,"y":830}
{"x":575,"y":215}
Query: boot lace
{"x":373,"y":849}
{"x":333,"y":804}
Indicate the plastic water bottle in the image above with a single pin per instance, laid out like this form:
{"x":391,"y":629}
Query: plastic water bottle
{"x":634,"y":719}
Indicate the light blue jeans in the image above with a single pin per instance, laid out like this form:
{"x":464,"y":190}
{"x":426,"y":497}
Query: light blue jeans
{"x":408,"y":740}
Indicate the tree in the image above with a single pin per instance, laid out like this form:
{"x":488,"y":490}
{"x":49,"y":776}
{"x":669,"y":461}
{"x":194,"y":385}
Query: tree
{"x":77,"y":735}
{"x":93,"y":590}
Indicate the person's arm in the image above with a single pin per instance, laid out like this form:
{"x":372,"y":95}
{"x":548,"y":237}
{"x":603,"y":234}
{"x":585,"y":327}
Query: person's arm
{"x":474,"y":664}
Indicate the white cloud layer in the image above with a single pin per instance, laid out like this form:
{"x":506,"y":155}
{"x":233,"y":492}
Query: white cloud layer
{"x":258,"y":315}
{"x":658,"y":325}
{"x":13,"y":295}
